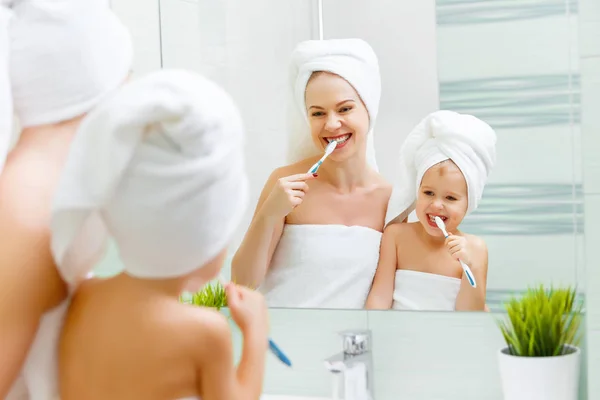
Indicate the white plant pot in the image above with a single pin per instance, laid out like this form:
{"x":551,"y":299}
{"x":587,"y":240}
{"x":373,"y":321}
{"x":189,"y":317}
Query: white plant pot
{"x":540,"y":378}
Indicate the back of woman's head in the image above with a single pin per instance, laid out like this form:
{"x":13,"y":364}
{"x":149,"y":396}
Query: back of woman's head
{"x":64,"y":57}
{"x":58,"y":59}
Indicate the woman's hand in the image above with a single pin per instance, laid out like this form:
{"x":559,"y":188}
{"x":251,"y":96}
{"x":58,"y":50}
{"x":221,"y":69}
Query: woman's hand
{"x":287,"y":194}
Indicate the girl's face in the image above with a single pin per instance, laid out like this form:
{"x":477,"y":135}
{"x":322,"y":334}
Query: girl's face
{"x":443,"y":192}
{"x":336,"y":112}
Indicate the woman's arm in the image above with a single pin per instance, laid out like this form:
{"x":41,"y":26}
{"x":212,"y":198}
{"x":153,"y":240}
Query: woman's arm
{"x":380,"y":296}
{"x":469,"y":298}
{"x":251,"y":260}
{"x":29,"y":281}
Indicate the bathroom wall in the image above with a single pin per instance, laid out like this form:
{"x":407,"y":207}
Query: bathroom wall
{"x":589,"y":52}
{"x":417,"y":355}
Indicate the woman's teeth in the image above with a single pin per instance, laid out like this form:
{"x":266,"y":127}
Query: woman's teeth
{"x":340,"y":139}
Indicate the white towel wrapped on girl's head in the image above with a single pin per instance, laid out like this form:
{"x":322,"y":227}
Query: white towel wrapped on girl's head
{"x":64,"y":57}
{"x":443,"y":135}
{"x":352,"y":59}
{"x":160,"y":168}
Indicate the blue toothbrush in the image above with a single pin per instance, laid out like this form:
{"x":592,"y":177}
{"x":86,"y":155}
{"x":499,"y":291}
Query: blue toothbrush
{"x":272,"y":346}
{"x":279,"y":354}
{"x":465,"y":267}
{"x":328,"y":150}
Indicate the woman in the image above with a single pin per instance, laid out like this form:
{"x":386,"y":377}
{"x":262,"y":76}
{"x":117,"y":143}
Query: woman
{"x":52,"y":88}
{"x":314,"y":239}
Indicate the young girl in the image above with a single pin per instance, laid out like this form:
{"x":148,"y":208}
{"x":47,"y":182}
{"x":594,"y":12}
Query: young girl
{"x":448,"y":158}
{"x":160,"y":168}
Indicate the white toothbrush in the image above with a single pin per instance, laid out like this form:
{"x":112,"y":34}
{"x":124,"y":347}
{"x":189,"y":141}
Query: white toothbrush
{"x":328,"y":150}
{"x":465,"y":267}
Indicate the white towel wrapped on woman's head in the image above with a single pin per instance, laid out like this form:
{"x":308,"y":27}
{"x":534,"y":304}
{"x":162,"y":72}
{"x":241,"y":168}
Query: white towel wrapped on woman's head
{"x":466,"y":140}
{"x":6,"y":104}
{"x":352,"y":59}
{"x":159,"y":167}
{"x":65,"y":56}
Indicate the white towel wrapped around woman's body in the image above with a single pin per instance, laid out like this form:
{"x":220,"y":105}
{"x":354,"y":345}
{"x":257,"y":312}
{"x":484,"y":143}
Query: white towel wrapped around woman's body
{"x":322,"y":266}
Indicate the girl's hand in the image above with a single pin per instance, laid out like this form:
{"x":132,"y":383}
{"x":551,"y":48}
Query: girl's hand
{"x":458,"y":248}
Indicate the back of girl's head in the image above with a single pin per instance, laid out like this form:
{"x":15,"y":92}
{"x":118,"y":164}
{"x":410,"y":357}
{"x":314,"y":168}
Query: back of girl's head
{"x":162,"y":163}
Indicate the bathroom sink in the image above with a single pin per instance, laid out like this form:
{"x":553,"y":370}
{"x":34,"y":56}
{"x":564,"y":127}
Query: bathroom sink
{"x":285,"y":397}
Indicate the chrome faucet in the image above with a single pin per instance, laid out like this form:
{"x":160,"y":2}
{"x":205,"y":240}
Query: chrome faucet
{"x":355,"y":358}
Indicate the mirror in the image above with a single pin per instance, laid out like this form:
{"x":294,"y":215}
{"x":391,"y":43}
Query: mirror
{"x":516,"y":68}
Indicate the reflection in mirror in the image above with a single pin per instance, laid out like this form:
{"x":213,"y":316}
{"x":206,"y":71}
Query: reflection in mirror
{"x":381,"y":69}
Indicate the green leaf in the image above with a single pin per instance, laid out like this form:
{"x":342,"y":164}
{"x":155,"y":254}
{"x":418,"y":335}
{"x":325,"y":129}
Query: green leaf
{"x":212,"y":295}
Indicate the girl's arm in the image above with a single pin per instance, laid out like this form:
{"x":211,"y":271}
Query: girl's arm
{"x":469,"y":298}
{"x":218,"y":377}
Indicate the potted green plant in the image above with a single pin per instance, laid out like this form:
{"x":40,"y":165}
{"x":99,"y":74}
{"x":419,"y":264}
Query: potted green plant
{"x":541,"y":360}
{"x":212,"y":295}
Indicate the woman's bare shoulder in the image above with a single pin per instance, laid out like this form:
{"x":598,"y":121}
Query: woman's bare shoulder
{"x":401,"y":230}
{"x":382,"y":187}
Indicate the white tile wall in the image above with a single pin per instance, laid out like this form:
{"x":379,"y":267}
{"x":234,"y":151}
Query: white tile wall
{"x":589,"y":10}
{"x":141,"y":17}
{"x":181,"y":46}
{"x":592,"y":229}
{"x":590,"y":38}
{"x":423,"y":355}
{"x":590,"y":100}
{"x":527,"y":39}
{"x":591,"y":129}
